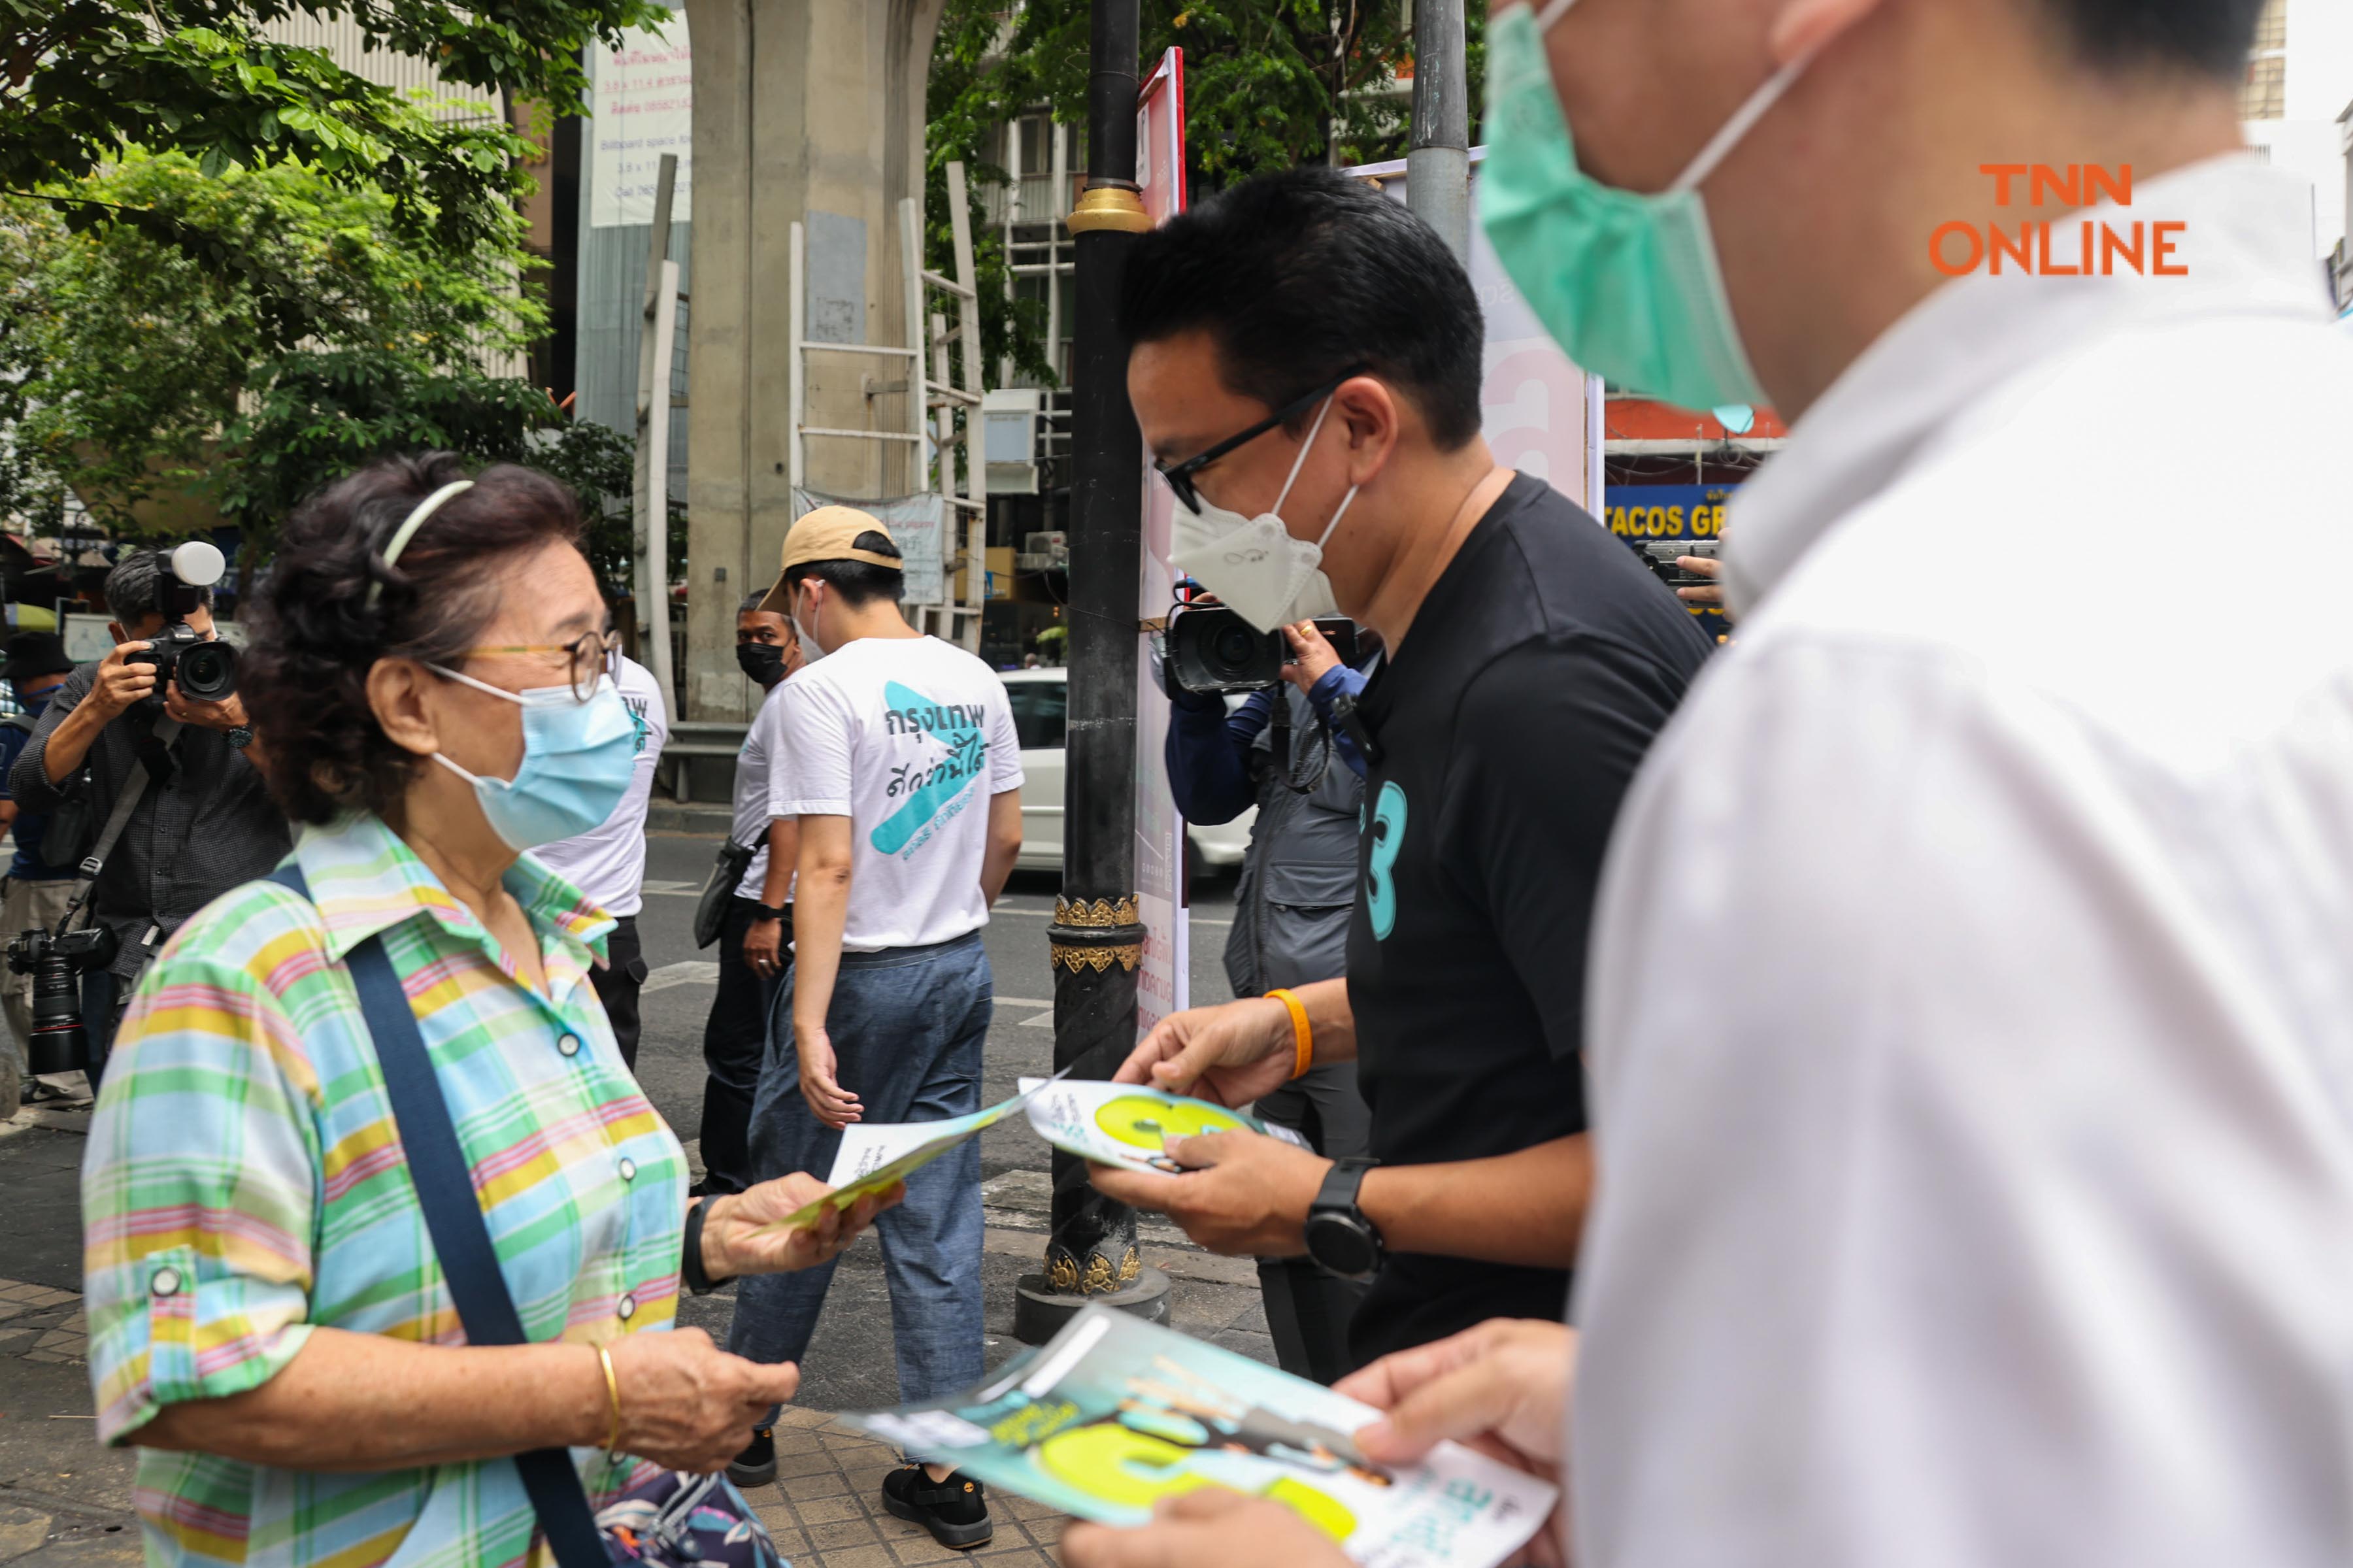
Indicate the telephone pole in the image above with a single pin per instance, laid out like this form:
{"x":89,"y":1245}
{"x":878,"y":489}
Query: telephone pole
{"x":1438,"y":161}
{"x":1096,"y":939}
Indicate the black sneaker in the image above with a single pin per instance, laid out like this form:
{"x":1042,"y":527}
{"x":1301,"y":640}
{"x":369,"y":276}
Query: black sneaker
{"x":954,"y":1511}
{"x":757,"y":1465}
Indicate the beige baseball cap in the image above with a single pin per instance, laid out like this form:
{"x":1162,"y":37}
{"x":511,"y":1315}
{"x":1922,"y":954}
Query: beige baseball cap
{"x":828,"y":533}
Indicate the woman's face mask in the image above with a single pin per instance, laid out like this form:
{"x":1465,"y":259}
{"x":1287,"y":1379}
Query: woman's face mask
{"x":1627,"y":285}
{"x":578,"y":759}
{"x":1253,"y":564}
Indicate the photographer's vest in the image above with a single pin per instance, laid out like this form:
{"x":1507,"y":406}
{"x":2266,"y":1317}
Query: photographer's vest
{"x":1298,"y":878}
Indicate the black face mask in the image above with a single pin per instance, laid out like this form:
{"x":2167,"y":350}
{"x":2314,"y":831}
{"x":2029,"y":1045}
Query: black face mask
{"x":764,"y":662}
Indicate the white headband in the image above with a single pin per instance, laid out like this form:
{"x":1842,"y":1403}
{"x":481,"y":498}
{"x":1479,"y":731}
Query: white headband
{"x":410,"y":524}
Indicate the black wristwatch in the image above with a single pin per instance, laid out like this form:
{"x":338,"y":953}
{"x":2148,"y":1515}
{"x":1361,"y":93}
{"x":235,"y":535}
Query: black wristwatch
{"x":692,"y":1272}
{"x":242,"y":736}
{"x":1340,"y":1238}
{"x":768,"y":912}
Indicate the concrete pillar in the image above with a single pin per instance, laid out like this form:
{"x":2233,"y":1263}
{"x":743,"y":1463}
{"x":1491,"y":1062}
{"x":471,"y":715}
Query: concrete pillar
{"x":808,"y":112}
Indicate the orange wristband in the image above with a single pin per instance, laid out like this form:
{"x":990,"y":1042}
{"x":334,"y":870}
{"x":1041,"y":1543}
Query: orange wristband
{"x":1302,"y":1038}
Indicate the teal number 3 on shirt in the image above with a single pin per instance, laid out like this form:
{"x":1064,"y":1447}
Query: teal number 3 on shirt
{"x":1381,"y":880}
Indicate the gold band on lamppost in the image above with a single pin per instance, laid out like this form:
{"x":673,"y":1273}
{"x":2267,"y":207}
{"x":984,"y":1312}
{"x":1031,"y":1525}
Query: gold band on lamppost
{"x":1095,"y":935}
{"x":1115,"y":207}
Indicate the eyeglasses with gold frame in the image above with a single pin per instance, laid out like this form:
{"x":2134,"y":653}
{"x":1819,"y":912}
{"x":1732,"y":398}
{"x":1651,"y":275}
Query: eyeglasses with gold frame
{"x":590,"y":659}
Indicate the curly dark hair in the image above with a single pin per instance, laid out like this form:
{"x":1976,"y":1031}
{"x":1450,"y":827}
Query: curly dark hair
{"x":315,"y":636}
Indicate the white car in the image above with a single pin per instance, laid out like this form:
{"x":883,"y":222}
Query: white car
{"x":1040,"y":699}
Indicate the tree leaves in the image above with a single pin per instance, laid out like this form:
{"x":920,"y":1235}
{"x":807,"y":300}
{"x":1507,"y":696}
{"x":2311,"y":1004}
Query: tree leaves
{"x":1268,"y":84}
{"x":320,"y":415}
{"x":143,"y":302}
{"x":88,"y":77}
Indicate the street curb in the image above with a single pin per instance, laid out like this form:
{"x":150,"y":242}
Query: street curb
{"x":670,"y":816}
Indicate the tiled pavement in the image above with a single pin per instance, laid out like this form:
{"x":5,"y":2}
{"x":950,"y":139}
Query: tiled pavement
{"x":825,"y":1509}
{"x":41,"y":1324}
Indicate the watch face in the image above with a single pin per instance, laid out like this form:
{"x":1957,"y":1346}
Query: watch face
{"x":1340,"y":1244}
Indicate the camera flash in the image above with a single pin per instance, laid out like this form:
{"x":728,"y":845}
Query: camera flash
{"x":198,"y":562}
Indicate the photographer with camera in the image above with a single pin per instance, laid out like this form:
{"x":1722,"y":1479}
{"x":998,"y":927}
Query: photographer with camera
{"x":151,"y":745}
{"x":1283,"y":752}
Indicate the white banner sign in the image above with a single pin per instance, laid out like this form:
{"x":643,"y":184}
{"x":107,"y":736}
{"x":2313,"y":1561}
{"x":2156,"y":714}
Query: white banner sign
{"x":644,"y":107}
{"x":1161,"y":981}
{"x":914,"y":522}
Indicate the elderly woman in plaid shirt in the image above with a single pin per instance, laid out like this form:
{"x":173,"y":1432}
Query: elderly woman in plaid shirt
{"x":269,"y":1323}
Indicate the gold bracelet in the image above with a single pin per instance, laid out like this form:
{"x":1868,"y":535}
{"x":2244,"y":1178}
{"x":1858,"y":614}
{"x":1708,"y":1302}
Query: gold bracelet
{"x":613,"y":1396}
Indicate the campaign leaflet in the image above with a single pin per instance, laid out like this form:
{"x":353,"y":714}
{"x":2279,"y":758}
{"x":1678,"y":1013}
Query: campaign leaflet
{"x":875,"y":1155}
{"x":1114,"y":1414}
{"x":1128,"y":1123}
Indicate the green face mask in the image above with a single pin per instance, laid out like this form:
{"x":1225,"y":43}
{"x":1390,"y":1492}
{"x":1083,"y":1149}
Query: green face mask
{"x":1626,"y":284}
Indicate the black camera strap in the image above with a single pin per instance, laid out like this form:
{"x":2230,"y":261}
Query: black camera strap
{"x":133,"y":788}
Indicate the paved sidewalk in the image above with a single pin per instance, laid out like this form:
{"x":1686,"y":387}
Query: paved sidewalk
{"x":825,"y":1509}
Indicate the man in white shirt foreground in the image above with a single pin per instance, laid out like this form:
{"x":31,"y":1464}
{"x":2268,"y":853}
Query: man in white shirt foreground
{"x":609,"y":861}
{"x":897,"y":759}
{"x":1971,"y":1028}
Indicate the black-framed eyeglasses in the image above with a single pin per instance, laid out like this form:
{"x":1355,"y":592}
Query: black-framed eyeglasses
{"x":1180,"y":475}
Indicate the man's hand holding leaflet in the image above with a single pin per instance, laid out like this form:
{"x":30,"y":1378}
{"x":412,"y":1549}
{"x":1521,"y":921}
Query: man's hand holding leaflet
{"x":1245,"y":1194}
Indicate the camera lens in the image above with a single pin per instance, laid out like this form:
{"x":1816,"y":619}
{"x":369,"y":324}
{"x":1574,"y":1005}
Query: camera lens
{"x":207,"y":670}
{"x":1234,"y":646}
{"x":58,"y":1043}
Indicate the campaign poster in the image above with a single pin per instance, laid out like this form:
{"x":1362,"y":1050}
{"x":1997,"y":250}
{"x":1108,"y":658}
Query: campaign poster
{"x":1540,"y":414}
{"x":1160,"y":981}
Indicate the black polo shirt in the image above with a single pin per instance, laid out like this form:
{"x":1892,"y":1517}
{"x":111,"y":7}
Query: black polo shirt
{"x":1509,"y":724}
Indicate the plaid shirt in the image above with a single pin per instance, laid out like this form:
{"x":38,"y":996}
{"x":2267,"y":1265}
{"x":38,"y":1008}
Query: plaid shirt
{"x":245,"y":1182}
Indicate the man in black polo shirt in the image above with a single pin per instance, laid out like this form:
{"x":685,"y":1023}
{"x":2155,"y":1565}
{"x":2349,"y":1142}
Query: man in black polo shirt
{"x":1304,"y":347}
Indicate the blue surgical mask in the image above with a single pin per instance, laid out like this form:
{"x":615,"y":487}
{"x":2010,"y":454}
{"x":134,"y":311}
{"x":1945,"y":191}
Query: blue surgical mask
{"x":578,"y":759}
{"x":1626,"y":284}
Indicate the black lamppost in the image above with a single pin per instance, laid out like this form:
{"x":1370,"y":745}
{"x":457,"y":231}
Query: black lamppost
{"x":1096,"y":938}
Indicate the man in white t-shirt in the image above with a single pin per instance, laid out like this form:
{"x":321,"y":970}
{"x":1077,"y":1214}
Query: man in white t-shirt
{"x":609,"y":861}
{"x":899,"y":766}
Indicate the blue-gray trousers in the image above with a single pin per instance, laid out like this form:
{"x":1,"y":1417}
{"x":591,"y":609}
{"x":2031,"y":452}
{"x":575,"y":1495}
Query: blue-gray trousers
{"x":908,"y":1026}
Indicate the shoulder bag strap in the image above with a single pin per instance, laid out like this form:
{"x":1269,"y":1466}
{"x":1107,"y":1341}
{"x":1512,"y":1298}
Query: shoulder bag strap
{"x":134,"y":787}
{"x":453,"y":1217}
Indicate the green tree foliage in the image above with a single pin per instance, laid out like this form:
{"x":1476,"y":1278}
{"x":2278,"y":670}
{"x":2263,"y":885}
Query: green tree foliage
{"x":87,"y":78}
{"x":127,"y":342}
{"x":1269,"y":84}
{"x":324,"y":415}
{"x":966,"y":101}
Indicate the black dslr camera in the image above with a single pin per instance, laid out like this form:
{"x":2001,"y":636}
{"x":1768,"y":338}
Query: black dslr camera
{"x":205,"y":669}
{"x":1212,"y":648}
{"x":57,"y":961}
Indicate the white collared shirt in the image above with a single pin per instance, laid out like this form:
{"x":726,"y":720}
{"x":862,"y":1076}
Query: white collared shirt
{"x":1971,"y":1029}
